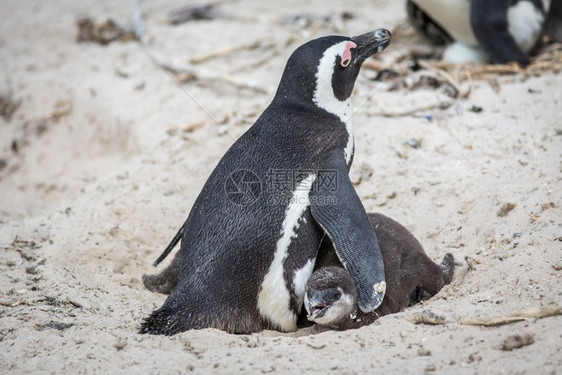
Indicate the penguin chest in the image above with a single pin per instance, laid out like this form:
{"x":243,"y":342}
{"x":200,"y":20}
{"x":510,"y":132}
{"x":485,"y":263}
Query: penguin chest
{"x":282,"y":289}
{"x":525,"y":24}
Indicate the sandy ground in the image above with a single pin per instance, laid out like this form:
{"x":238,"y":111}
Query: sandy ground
{"x":105,"y":155}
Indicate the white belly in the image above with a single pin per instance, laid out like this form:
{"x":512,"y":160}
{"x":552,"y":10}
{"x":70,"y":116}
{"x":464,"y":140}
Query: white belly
{"x":274,"y":298}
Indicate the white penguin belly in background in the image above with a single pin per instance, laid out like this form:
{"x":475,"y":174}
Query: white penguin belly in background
{"x":477,"y":28}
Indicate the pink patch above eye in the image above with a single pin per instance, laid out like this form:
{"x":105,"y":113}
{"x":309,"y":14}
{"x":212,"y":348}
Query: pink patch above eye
{"x":346,"y":56}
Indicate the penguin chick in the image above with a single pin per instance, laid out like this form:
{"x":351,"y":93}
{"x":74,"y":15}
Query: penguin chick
{"x":330,"y":298}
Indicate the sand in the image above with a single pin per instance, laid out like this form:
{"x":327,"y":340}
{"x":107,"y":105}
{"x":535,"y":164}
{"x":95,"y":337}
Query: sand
{"x":105,"y":155}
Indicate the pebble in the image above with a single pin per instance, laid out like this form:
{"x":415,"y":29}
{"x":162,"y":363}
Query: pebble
{"x":253,"y":341}
{"x":517,"y":341}
{"x":79,"y":302}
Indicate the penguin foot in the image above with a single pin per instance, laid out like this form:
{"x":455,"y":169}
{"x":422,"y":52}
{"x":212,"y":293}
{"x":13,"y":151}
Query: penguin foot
{"x":158,"y":323}
{"x":418,"y":295}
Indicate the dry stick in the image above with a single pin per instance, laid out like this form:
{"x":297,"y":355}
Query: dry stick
{"x":259,"y":62}
{"x":497,"y":69}
{"x":447,"y":77}
{"x":411,"y":111}
{"x":469,"y":79}
{"x":258,"y":43}
{"x":516,"y":316}
{"x":427,"y":317}
{"x":276,"y":52}
{"x":185,"y":74}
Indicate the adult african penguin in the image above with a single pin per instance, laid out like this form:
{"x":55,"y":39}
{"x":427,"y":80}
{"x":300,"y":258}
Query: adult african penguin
{"x":330,"y":298}
{"x":475,"y":30}
{"x":249,"y":244}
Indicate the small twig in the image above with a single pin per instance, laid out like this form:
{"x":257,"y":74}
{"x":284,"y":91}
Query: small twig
{"x":193,"y":13}
{"x":447,"y":77}
{"x":411,"y":111}
{"x":276,"y":52}
{"x":469,"y":79}
{"x":427,"y":317}
{"x":497,"y":69}
{"x":186,"y":74}
{"x":516,"y":316}
{"x":258,"y":43}
{"x":318,"y":347}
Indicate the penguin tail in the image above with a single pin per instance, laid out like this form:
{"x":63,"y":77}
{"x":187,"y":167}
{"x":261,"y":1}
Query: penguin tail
{"x":170,"y":246}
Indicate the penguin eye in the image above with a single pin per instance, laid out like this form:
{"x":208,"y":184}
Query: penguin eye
{"x":345,"y":63}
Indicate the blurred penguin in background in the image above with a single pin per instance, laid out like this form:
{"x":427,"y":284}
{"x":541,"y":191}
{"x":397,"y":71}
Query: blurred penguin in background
{"x":500,"y":31}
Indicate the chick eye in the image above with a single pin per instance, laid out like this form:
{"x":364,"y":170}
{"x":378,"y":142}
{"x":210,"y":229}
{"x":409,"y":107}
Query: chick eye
{"x":345,"y":63}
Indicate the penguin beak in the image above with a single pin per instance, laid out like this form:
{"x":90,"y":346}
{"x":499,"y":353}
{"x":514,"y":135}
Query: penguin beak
{"x":320,"y":301}
{"x":316,"y":306}
{"x":370,"y":43}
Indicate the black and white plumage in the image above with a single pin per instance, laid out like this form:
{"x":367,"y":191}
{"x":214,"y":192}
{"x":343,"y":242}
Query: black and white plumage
{"x":476,"y":30}
{"x":244,"y":267}
{"x":330,"y":298}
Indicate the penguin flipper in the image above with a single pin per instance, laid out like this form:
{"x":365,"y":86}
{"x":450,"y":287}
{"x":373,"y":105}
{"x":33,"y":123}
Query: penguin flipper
{"x":490,"y":25}
{"x":338,"y":210}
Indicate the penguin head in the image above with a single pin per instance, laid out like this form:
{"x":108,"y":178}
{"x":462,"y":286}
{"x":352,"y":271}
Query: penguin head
{"x":330,"y":296}
{"x":324,"y":70}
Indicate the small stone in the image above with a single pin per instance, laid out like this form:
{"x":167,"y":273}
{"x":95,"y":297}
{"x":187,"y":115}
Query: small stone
{"x":253,"y":341}
{"x":268,"y":369}
{"x":120,"y":344}
{"x":505,"y":209}
{"x":471,"y":262}
{"x":517,"y":341}
{"x":423,"y":352}
{"x":31,"y":270}
{"x":430,"y":368}
{"x":59,"y":326}
{"x":413,"y":143}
